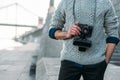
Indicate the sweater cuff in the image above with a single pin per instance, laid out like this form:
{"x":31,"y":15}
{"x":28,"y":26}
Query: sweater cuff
{"x":52,"y":32}
{"x":112,"y":40}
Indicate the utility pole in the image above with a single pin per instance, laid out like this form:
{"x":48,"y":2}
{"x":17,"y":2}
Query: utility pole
{"x":16,"y":5}
{"x":51,"y":7}
{"x":47,"y":44}
{"x":51,"y":3}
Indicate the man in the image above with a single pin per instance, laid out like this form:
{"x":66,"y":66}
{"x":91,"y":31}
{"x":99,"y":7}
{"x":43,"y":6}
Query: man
{"x":92,"y":62}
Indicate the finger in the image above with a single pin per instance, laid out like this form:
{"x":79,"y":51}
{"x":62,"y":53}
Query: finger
{"x":74,"y":33}
{"x":77,"y":23}
{"x":78,"y":27}
{"x":76,"y":30}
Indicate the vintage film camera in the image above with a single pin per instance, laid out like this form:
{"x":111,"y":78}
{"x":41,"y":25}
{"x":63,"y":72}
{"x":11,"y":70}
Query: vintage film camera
{"x":81,"y":41}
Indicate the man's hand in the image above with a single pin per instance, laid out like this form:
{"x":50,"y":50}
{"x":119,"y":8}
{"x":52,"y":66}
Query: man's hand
{"x":73,"y":31}
{"x":109,"y":51}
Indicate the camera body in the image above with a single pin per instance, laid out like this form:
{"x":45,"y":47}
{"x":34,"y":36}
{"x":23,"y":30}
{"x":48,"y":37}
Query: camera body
{"x":81,"y":41}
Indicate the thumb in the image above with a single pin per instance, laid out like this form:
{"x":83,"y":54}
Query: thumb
{"x":77,"y":23}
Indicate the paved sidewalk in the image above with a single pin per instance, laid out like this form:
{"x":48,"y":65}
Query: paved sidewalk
{"x":15,"y":64}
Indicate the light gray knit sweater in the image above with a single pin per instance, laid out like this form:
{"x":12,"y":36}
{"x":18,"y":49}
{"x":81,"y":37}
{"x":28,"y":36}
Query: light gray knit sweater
{"x":85,"y":12}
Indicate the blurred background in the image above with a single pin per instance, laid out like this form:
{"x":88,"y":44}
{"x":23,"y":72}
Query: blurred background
{"x":26,"y":51}
{"x":14,"y":14}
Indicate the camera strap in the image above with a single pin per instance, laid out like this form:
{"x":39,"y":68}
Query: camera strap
{"x":94,"y":12}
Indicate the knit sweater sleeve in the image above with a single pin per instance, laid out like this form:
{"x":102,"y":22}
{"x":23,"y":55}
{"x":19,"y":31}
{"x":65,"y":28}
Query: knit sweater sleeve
{"x":58,"y":19}
{"x":111,"y":25}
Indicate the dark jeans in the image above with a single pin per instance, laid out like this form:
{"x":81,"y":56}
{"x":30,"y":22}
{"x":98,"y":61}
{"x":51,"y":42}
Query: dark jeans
{"x":73,"y":71}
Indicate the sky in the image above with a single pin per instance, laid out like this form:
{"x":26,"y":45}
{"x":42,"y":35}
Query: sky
{"x":39,"y":7}
{"x":18,"y":15}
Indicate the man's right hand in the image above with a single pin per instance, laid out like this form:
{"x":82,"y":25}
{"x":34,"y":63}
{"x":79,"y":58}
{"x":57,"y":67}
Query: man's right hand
{"x":73,"y":31}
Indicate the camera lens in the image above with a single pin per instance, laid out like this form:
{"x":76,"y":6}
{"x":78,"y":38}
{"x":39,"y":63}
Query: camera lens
{"x":85,"y":31}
